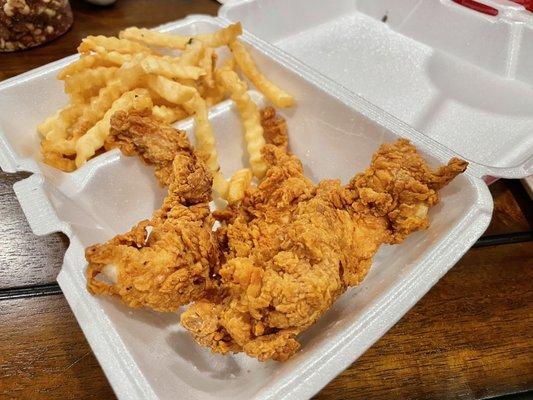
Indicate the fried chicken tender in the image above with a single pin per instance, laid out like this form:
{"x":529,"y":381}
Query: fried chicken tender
{"x":282,"y":255}
{"x":166,"y":261}
{"x":291,"y":248}
{"x":155,"y":143}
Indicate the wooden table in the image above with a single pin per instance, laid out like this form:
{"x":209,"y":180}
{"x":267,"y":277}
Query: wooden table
{"x":470,"y":337}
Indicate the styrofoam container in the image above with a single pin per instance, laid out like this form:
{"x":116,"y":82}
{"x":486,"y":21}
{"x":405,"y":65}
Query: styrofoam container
{"x":147,"y":355}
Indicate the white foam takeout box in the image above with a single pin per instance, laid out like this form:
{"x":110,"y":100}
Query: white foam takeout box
{"x":456,"y":94}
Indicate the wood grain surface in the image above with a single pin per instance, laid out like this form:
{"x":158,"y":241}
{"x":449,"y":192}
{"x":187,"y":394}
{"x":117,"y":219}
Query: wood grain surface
{"x":470,"y":337}
{"x":44,"y":355}
{"x":25,"y":258}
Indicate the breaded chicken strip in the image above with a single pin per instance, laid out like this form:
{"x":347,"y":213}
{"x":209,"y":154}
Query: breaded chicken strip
{"x":154,"y":142}
{"x":282,"y":255}
{"x":292,"y":247}
{"x":164,"y":262}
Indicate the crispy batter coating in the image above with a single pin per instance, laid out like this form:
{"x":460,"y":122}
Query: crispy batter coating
{"x":401,"y":186}
{"x":282,"y":255}
{"x":164,"y":262}
{"x":292,"y":247}
{"x":155,"y":143}
{"x":274,"y":128}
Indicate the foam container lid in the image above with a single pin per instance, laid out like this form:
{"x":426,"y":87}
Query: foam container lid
{"x":147,"y":355}
{"x":461,"y":77}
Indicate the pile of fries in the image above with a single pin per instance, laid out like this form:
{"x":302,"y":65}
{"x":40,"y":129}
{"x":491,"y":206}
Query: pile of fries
{"x":136,"y":72}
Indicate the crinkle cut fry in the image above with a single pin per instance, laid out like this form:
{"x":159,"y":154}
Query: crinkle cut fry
{"x":101,"y":44}
{"x":278,"y":96}
{"x":150,"y":37}
{"x":205,"y":141}
{"x":275,"y":132}
{"x":84,"y":62}
{"x":87,"y":83}
{"x":250,"y":116}
{"x":163,"y":67}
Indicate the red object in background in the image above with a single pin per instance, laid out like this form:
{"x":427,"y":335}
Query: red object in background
{"x":528,"y":4}
{"x":482,"y":8}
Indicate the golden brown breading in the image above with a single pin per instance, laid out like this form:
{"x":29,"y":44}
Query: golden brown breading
{"x":171,"y":265}
{"x":282,"y":255}
{"x":154,"y":142}
{"x":400,"y":185}
{"x":274,"y":128}
{"x":291,"y":248}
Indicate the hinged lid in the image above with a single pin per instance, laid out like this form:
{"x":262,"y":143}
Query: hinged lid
{"x":462,"y":77}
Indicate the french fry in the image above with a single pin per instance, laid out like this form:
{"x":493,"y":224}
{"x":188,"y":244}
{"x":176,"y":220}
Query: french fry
{"x":220,"y":184}
{"x":127,"y":77}
{"x":222,"y":37}
{"x":277,"y":96}
{"x":217,"y":94}
{"x":64,"y":147}
{"x":163,"y":67}
{"x":213,"y":96}
{"x":84,"y":62}
{"x":86,"y":83}
{"x":56,"y":127}
{"x":219,"y":38}
{"x":65,"y":143}
{"x":56,"y":143}
{"x":171,"y":91}
{"x":103,"y":59}
{"x":251,"y":119}
{"x":193,"y":52}
{"x":191,"y":56}
{"x":90,"y":142}
{"x":102,"y":44}
{"x":169,"y":114}
{"x":57,"y":160}
{"x":48,"y":124}
{"x":115,"y":58}
{"x":153,"y":38}
{"x":239,"y":182}
{"x":228,"y":64}
{"x":205,"y":141}
{"x":55,"y":131}
{"x":207,"y":62}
